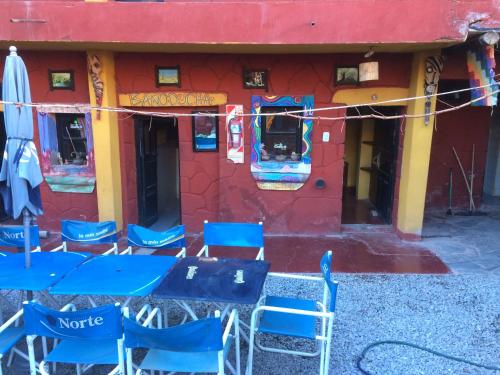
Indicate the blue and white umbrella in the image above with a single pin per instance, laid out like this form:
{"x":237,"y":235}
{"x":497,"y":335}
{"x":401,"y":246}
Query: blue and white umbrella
{"x":20,"y":175}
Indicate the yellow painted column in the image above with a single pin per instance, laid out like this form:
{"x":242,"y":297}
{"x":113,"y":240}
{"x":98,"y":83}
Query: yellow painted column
{"x":416,"y":154}
{"x":102,"y":89}
{"x":365,"y":158}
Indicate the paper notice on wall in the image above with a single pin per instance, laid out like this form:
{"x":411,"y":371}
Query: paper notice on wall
{"x":234,"y":131}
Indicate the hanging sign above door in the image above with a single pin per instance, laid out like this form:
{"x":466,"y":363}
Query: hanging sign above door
{"x":173,"y":99}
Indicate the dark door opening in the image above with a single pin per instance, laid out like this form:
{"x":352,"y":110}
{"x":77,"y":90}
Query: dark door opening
{"x":370,"y":158}
{"x":158,"y":177}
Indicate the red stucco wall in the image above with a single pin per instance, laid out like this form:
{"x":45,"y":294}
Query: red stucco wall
{"x":213,"y":188}
{"x":59,"y":206}
{"x":236,"y":22}
{"x":460,"y":129}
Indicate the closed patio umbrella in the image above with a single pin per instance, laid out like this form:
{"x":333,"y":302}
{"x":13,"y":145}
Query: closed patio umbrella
{"x":20,"y":175}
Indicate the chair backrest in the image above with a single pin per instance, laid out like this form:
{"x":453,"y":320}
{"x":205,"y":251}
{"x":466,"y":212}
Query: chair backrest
{"x":233,"y":234}
{"x":325,"y":265}
{"x":173,"y":238}
{"x":87,"y":232}
{"x":198,"y":336}
{"x":104,"y":322}
{"x":13,"y":236}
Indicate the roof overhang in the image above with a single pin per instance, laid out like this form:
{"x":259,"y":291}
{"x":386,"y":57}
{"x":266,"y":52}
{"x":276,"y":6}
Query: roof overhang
{"x":300,"y":26}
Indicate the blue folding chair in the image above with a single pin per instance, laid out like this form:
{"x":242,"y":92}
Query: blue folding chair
{"x":140,"y":237}
{"x":12,"y":236}
{"x":292,"y":317}
{"x":233,"y":234}
{"x":89,"y":233}
{"x":197,"y":346}
{"x":87,"y":337}
{"x":11,"y":332}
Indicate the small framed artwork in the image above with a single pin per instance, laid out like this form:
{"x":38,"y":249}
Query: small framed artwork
{"x":255,"y":78}
{"x":61,"y":80}
{"x":205,"y":131}
{"x":346,"y":75}
{"x":168,"y":76}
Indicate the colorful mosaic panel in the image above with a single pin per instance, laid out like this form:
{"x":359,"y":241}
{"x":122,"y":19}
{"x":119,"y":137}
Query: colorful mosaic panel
{"x":276,"y":174}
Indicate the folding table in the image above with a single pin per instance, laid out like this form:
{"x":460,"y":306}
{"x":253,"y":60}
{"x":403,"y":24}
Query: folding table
{"x":46,"y":269}
{"x":225,"y":280}
{"x":115,"y":276}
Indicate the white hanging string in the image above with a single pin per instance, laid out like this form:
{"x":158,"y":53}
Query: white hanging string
{"x":295,"y":113}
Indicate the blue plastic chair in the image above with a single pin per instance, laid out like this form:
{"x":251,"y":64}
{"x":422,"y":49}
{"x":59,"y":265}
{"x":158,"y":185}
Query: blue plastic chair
{"x":197,"y":346}
{"x":11,"y":332}
{"x":89,"y":233}
{"x":87,"y":337}
{"x":12,"y":236}
{"x":233,"y":234}
{"x":138,"y":237}
{"x":297,"y":318}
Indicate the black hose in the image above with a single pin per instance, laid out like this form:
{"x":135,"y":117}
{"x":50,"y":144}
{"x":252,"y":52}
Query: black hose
{"x":403,"y":343}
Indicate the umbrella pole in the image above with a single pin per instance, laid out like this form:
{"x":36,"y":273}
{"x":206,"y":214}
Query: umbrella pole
{"x":27,"y":245}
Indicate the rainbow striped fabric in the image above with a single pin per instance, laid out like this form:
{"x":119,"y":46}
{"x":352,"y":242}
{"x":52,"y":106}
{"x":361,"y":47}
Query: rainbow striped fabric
{"x":481,"y":67}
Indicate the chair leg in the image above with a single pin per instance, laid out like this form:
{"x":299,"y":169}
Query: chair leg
{"x":251,"y":341}
{"x":31,"y":353}
{"x":11,"y":358}
{"x":328,"y":345}
{"x":237,"y":334}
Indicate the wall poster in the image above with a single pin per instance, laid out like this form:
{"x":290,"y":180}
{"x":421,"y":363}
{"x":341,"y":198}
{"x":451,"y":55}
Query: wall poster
{"x":234,"y":130}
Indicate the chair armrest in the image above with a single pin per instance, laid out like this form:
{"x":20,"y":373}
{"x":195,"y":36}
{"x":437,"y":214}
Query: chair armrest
{"x":11,"y":320}
{"x":317,"y":314}
{"x":204,"y":249}
{"x":60,"y":247}
{"x":233,"y":320}
{"x":260,"y":255}
{"x":295,"y":276}
{"x":155,"y":312}
{"x":181,"y":254}
{"x":128,"y":251}
{"x":69,"y":306}
{"x":113,"y":250}
{"x":146,"y":308}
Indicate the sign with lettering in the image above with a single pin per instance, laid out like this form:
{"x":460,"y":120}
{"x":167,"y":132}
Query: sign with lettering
{"x":88,"y":232}
{"x":103,"y":322}
{"x":13,"y":236}
{"x":173,"y":99}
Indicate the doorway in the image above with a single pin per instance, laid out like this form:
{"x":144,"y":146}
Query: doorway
{"x":158,"y":174}
{"x":370,"y":158}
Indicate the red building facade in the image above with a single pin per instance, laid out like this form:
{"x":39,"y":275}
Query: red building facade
{"x":300,"y":49}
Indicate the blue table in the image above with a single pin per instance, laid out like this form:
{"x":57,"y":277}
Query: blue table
{"x":116,"y":275}
{"x":227,"y":280}
{"x":46,"y":269}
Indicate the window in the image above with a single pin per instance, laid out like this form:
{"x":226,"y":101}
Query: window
{"x":281,"y":138}
{"x":71,"y":139}
{"x":205,"y":132}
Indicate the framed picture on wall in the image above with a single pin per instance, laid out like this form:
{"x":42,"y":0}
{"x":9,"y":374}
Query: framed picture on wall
{"x":168,"y":76}
{"x":205,"y":132}
{"x":255,"y":78}
{"x":61,"y":80}
{"x":346,"y":75}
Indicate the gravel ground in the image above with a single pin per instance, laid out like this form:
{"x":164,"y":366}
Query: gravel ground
{"x":456,"y":314}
